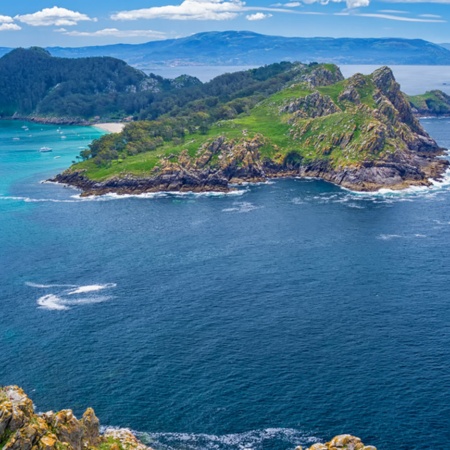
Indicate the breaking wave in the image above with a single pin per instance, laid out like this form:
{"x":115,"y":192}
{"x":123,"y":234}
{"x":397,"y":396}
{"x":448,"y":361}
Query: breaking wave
{"x":250,"y":440}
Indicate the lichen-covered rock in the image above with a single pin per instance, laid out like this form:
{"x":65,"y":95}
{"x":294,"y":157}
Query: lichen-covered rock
{"x":343,"y":442}
{"x":22,"y":429}
{"x":313,"y":105}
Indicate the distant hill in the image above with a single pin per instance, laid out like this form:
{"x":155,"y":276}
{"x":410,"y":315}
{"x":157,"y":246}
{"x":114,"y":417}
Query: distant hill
{"x":247,"y":48}
{"x":35,"y":84}
{"x":244,"y":48}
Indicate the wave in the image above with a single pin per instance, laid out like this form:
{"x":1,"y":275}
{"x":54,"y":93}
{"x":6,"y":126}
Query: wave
{"x":65,"y":296}
{"x":250,"y":440}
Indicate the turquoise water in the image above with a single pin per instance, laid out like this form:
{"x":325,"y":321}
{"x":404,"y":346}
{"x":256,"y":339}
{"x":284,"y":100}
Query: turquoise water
{"x":277,"y":316}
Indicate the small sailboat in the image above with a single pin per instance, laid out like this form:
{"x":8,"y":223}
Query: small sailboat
{"x":45,"y":149}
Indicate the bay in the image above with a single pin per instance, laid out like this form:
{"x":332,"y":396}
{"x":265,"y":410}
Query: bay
{"x":279,"y":315}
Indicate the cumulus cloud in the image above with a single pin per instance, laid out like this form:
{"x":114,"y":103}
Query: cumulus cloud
{"x":6,"y":19}
{"x":9,"y":27}
{"x":115,"y":32}
{"x":258,"y":16}
{"x":187,"y":10}
{"x":53,"y":16}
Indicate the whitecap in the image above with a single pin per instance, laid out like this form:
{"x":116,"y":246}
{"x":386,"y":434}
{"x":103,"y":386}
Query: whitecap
{"x":387,"y":237}
{"x":242,"y":207}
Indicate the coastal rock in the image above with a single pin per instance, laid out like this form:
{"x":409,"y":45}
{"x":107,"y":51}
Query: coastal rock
{"x":343,"y":442}
{"x":22,"y":429}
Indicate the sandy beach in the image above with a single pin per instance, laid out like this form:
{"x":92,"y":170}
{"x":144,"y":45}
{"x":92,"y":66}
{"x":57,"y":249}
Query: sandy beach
{"x":112,"y":127}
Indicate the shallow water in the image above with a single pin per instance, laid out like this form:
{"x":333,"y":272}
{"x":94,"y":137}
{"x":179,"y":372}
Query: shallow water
{"x":282,"y":314}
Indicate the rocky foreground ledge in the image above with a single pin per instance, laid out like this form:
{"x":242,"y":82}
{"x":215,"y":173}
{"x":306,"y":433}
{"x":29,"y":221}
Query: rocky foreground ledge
{"x":23,"y":429}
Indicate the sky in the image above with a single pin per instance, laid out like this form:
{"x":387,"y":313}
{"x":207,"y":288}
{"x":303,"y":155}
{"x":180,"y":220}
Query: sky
{"x":74,"y":23}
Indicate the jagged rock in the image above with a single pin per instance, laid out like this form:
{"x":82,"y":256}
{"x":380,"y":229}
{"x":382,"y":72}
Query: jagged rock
{"x":322,"y":76}
{"x":343,"y":442}
{"x":313,"y":105}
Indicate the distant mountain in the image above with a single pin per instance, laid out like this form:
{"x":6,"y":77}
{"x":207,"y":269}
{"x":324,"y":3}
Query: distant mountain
{"x":35,"y":84}
{"x":246,"y":48}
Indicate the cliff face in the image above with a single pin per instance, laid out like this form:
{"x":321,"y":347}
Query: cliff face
{"x":359,"y":133}
{"x":22,"y":429}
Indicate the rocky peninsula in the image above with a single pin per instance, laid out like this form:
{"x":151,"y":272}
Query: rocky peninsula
{"x":21,"y":428}
{"x":360,"y":133}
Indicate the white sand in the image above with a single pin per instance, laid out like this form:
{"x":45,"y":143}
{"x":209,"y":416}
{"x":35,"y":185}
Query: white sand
{"x":111,"y":127}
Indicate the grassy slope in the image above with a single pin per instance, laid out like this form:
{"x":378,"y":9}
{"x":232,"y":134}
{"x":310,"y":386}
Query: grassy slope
{"x":312,"y":139}
{"x":432,"y":102}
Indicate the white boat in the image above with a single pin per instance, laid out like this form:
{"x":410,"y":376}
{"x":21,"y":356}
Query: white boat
{"x":45,"y":149}
{"x":16,"y":139}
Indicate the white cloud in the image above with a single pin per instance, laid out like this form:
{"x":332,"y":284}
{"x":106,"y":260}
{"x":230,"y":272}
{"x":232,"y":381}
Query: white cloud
{"x":430,"y":16}
{"x":9,"y":27}
{"x":389,"y":17}
{"x":292,"y":4}
{"x":258,"y":16}
{"x":53,"y":16}
{"x":6,"y":19}
{"x":116,"y":33}
{"x":187,"y":10}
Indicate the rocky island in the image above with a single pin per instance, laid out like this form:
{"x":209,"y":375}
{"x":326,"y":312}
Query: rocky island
{"x":359,"y":133}
{"x":21,"y":428}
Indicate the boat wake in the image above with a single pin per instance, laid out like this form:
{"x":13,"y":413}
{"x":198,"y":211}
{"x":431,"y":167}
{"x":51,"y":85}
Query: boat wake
{"x":66,"y":296}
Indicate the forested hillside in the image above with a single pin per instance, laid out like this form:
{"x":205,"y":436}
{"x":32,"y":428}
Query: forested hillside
{"x":33,"y":83}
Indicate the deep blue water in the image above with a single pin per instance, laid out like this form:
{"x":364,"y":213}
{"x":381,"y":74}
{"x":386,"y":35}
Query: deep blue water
{"x":283,"y":314}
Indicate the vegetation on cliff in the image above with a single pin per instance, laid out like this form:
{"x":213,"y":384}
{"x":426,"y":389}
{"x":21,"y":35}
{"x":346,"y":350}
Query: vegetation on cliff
{"x":359,"y":133}
{"x":432,"y":103}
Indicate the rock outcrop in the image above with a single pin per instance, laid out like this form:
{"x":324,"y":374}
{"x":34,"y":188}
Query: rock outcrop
{"x":22,"y":429}
{"x":341,"y":442}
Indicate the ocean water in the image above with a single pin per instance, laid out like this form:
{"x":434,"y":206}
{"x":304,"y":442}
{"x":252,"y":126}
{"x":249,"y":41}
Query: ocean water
{"x":279,"y":315}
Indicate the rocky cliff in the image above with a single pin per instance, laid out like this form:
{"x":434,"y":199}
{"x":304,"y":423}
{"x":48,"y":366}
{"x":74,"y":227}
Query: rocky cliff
{"x":23,"y":429}
{"x":358,"y":133}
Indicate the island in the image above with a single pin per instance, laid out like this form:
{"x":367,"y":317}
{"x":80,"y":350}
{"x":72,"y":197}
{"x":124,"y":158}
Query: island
{"x":21,"y":428}
{"x":285,"y":120}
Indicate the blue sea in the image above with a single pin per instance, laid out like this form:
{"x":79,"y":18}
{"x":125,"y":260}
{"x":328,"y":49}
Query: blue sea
{"x":279,"y":315}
